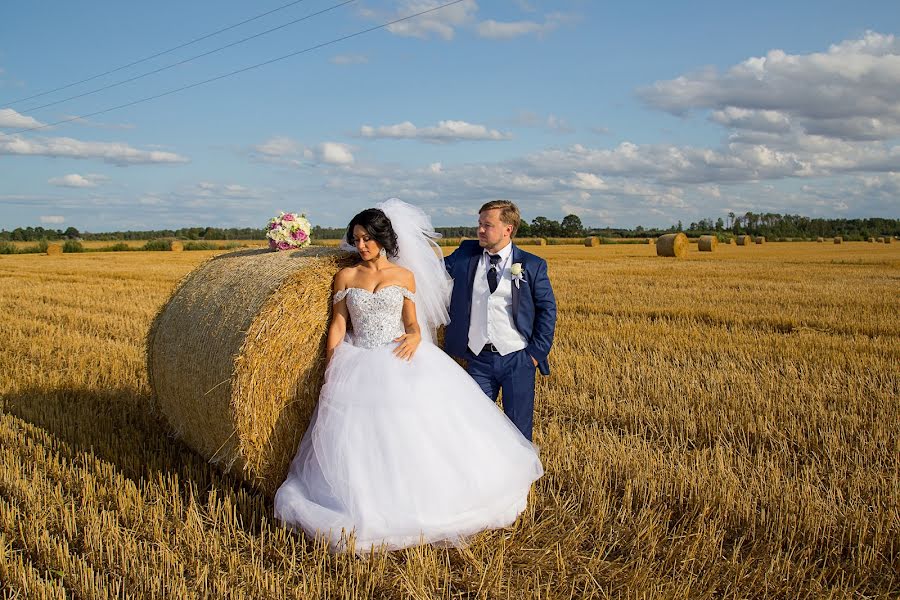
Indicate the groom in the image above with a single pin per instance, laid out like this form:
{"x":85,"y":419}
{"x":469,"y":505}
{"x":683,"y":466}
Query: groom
{"x":502,"y":312}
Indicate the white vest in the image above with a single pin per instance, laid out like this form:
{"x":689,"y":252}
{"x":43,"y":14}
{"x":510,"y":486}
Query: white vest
{"x":491,"y":320}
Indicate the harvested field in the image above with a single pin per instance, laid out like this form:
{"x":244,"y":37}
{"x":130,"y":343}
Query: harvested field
{"x":742,"y":446}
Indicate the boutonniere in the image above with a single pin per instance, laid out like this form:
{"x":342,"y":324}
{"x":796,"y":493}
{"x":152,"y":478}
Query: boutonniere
{"x":517,"y":273}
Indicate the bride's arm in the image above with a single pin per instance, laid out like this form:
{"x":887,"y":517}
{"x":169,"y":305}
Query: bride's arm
{"x":409,"y":341}
{"x":337,"y":329}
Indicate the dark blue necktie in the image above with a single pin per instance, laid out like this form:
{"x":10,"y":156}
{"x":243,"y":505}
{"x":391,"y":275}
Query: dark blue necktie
{"x":492,"y":272}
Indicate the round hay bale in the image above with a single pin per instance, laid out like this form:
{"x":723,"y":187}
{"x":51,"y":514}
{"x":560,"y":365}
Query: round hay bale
{"x":760,"y":239}
{"x":888,"y":239}
{"x":871,"y":240}
{"x":672,"y":244}
{"x":820,"y":240}
{"x":707,"y":243}
{"x":177,"y":246}
{"x":591,"y":241}
{"x":650,"y":241}
{"x":838,"y":240}
{"x":54,"y":249}
{"x":235,"y":358}
{"x":744,"y":240}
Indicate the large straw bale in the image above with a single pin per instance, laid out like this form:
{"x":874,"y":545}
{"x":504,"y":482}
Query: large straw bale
{"x":744,"y":240}
{"x":760,"y":239}
{"x":672,"y":244}
{"x":650,"y":241}
{"x":707,"y":243}
{"x":838,"y":240}
{"x":592,"y":241}
{"x":177,"y":246}
{"x":236,"y":356}
{"x":54,"y":249}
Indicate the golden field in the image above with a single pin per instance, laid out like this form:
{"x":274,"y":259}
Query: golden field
{"x":719,"y":426}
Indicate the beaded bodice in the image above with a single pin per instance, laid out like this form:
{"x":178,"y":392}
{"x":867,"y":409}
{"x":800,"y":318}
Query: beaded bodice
{"x":377,"y":317}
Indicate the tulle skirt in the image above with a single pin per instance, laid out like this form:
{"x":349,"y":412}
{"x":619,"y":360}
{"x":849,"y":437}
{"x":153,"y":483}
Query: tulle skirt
{"x":401,"y":453}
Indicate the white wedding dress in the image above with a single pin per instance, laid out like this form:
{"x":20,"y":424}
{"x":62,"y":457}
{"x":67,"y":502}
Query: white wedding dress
{"x":402,"y":452}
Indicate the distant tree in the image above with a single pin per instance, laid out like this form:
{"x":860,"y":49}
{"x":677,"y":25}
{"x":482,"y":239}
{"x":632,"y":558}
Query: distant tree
{"x":720,"y":224}
{"x":571,"y":226}
{"x":524,"y":229}
{"x":680,"y":226}
{"x":72,"y":233}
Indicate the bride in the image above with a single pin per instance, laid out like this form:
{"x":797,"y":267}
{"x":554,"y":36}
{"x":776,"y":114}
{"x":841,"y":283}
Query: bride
{"x":404,"y":448}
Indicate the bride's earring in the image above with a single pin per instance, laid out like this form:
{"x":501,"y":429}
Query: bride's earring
{"x":382,"y":253}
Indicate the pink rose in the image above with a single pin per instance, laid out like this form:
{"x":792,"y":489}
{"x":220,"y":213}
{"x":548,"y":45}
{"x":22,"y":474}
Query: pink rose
{"x":303,"y":236}
{"x":273,"y":225}
{"x":288,"y":217}
{"x":271,"y":244}
{"x":284,"y":246}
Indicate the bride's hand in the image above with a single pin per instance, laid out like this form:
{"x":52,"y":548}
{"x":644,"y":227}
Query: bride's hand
{"x":409,"y":342}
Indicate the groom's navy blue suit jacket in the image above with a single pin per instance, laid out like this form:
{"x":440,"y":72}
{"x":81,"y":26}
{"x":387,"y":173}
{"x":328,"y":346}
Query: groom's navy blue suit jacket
{"x":533,"y":304}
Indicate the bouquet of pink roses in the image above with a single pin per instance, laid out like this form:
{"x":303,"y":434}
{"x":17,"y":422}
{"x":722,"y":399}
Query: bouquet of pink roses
{"x":288,"y":231}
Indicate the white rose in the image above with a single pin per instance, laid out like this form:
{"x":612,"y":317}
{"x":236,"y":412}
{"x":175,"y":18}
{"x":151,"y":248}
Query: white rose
{"x":516,"y":269}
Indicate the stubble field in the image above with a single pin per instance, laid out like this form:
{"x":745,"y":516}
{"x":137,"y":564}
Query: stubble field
{"x":724,"y":425}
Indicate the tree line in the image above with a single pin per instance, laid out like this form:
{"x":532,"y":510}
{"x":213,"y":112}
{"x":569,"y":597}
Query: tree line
{"x":771,"y":225}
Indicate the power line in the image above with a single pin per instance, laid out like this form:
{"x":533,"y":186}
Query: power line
{"x":152,"y":56}
{"x":251,"y":67}
{"x":187,"y":60}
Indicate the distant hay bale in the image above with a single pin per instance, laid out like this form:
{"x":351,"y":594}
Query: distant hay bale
{"x":235,"y":358}
{"x":177,"y":246}
{"x":530,"y":241}
{"x":707,"y":243}
{"x":54,"y":249}
{"x":820,"y":240}
{"x":732,"y":242}
{"x":744,"y":240}
{"x":838,"y":240}
{"x":591,"y":241}
{"x":871,"y":240}
{"x":651,"y":241}
{"x":888,"y":239}
{"x":881,"y":240}
{"x":760,"y":239}
{"x":672,"y":244}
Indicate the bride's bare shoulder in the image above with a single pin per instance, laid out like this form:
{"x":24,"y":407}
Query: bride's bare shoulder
{"x":344,"y":277}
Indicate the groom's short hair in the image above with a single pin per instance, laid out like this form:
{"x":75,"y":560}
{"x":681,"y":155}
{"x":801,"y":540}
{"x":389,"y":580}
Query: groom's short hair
{"x":509,"y":212}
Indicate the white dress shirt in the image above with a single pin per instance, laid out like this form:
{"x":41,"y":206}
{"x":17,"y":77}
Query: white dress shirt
{"x":491,"y":320}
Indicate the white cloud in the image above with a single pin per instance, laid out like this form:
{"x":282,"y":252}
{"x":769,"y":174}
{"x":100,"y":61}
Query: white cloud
{"x":278,"y":146}
{"x":349,"y":59}
{"x":506,"y":30}
{"x":333,"y":153}
{"x":52,"y":219}
{"x":111,"y":152}
{"x":13,"y":120}
{"x":442,"y":23}
{"x":74,"y":180}
{"x":850,"y":92}
{"x":586,"y":181}
{"x":443,"y":132}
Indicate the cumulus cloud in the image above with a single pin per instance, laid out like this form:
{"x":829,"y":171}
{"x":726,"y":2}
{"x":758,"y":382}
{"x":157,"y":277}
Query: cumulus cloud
{"x":115,"y":153}
{"x":442,"y":23}
{"x":14,"y":120}
{"x":850,"y":92}
{"x":443,"y":132}
{"x":334,"y":153}
{"x":278,"y":146}
{"x":505,"y":30}
{"x":52,"y":219}
{"x":74,"y":180}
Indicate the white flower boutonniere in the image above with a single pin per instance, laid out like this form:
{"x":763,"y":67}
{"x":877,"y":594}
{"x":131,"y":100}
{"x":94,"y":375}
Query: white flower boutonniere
{"x":517,"y":273}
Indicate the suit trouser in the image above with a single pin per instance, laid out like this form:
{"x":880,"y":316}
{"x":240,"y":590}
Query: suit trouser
{"x":514,"y":375}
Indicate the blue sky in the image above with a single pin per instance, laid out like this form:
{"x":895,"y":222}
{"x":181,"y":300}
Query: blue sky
{"x":622,"y":113}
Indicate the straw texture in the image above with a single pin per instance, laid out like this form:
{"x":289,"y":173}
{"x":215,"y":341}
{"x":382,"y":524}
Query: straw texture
{"x":744,"y":240}
{"x":760,"y":239}
{"x":177,"y":246}
{"x":54,"y":249}
{"x":672,"y":244}
{"x":707,"y":243}
{"x":591,"y":241}
{"x":236,"y":356}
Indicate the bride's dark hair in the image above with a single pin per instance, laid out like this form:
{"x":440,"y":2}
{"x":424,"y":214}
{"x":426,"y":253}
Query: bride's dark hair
{"x":377,"y":225}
